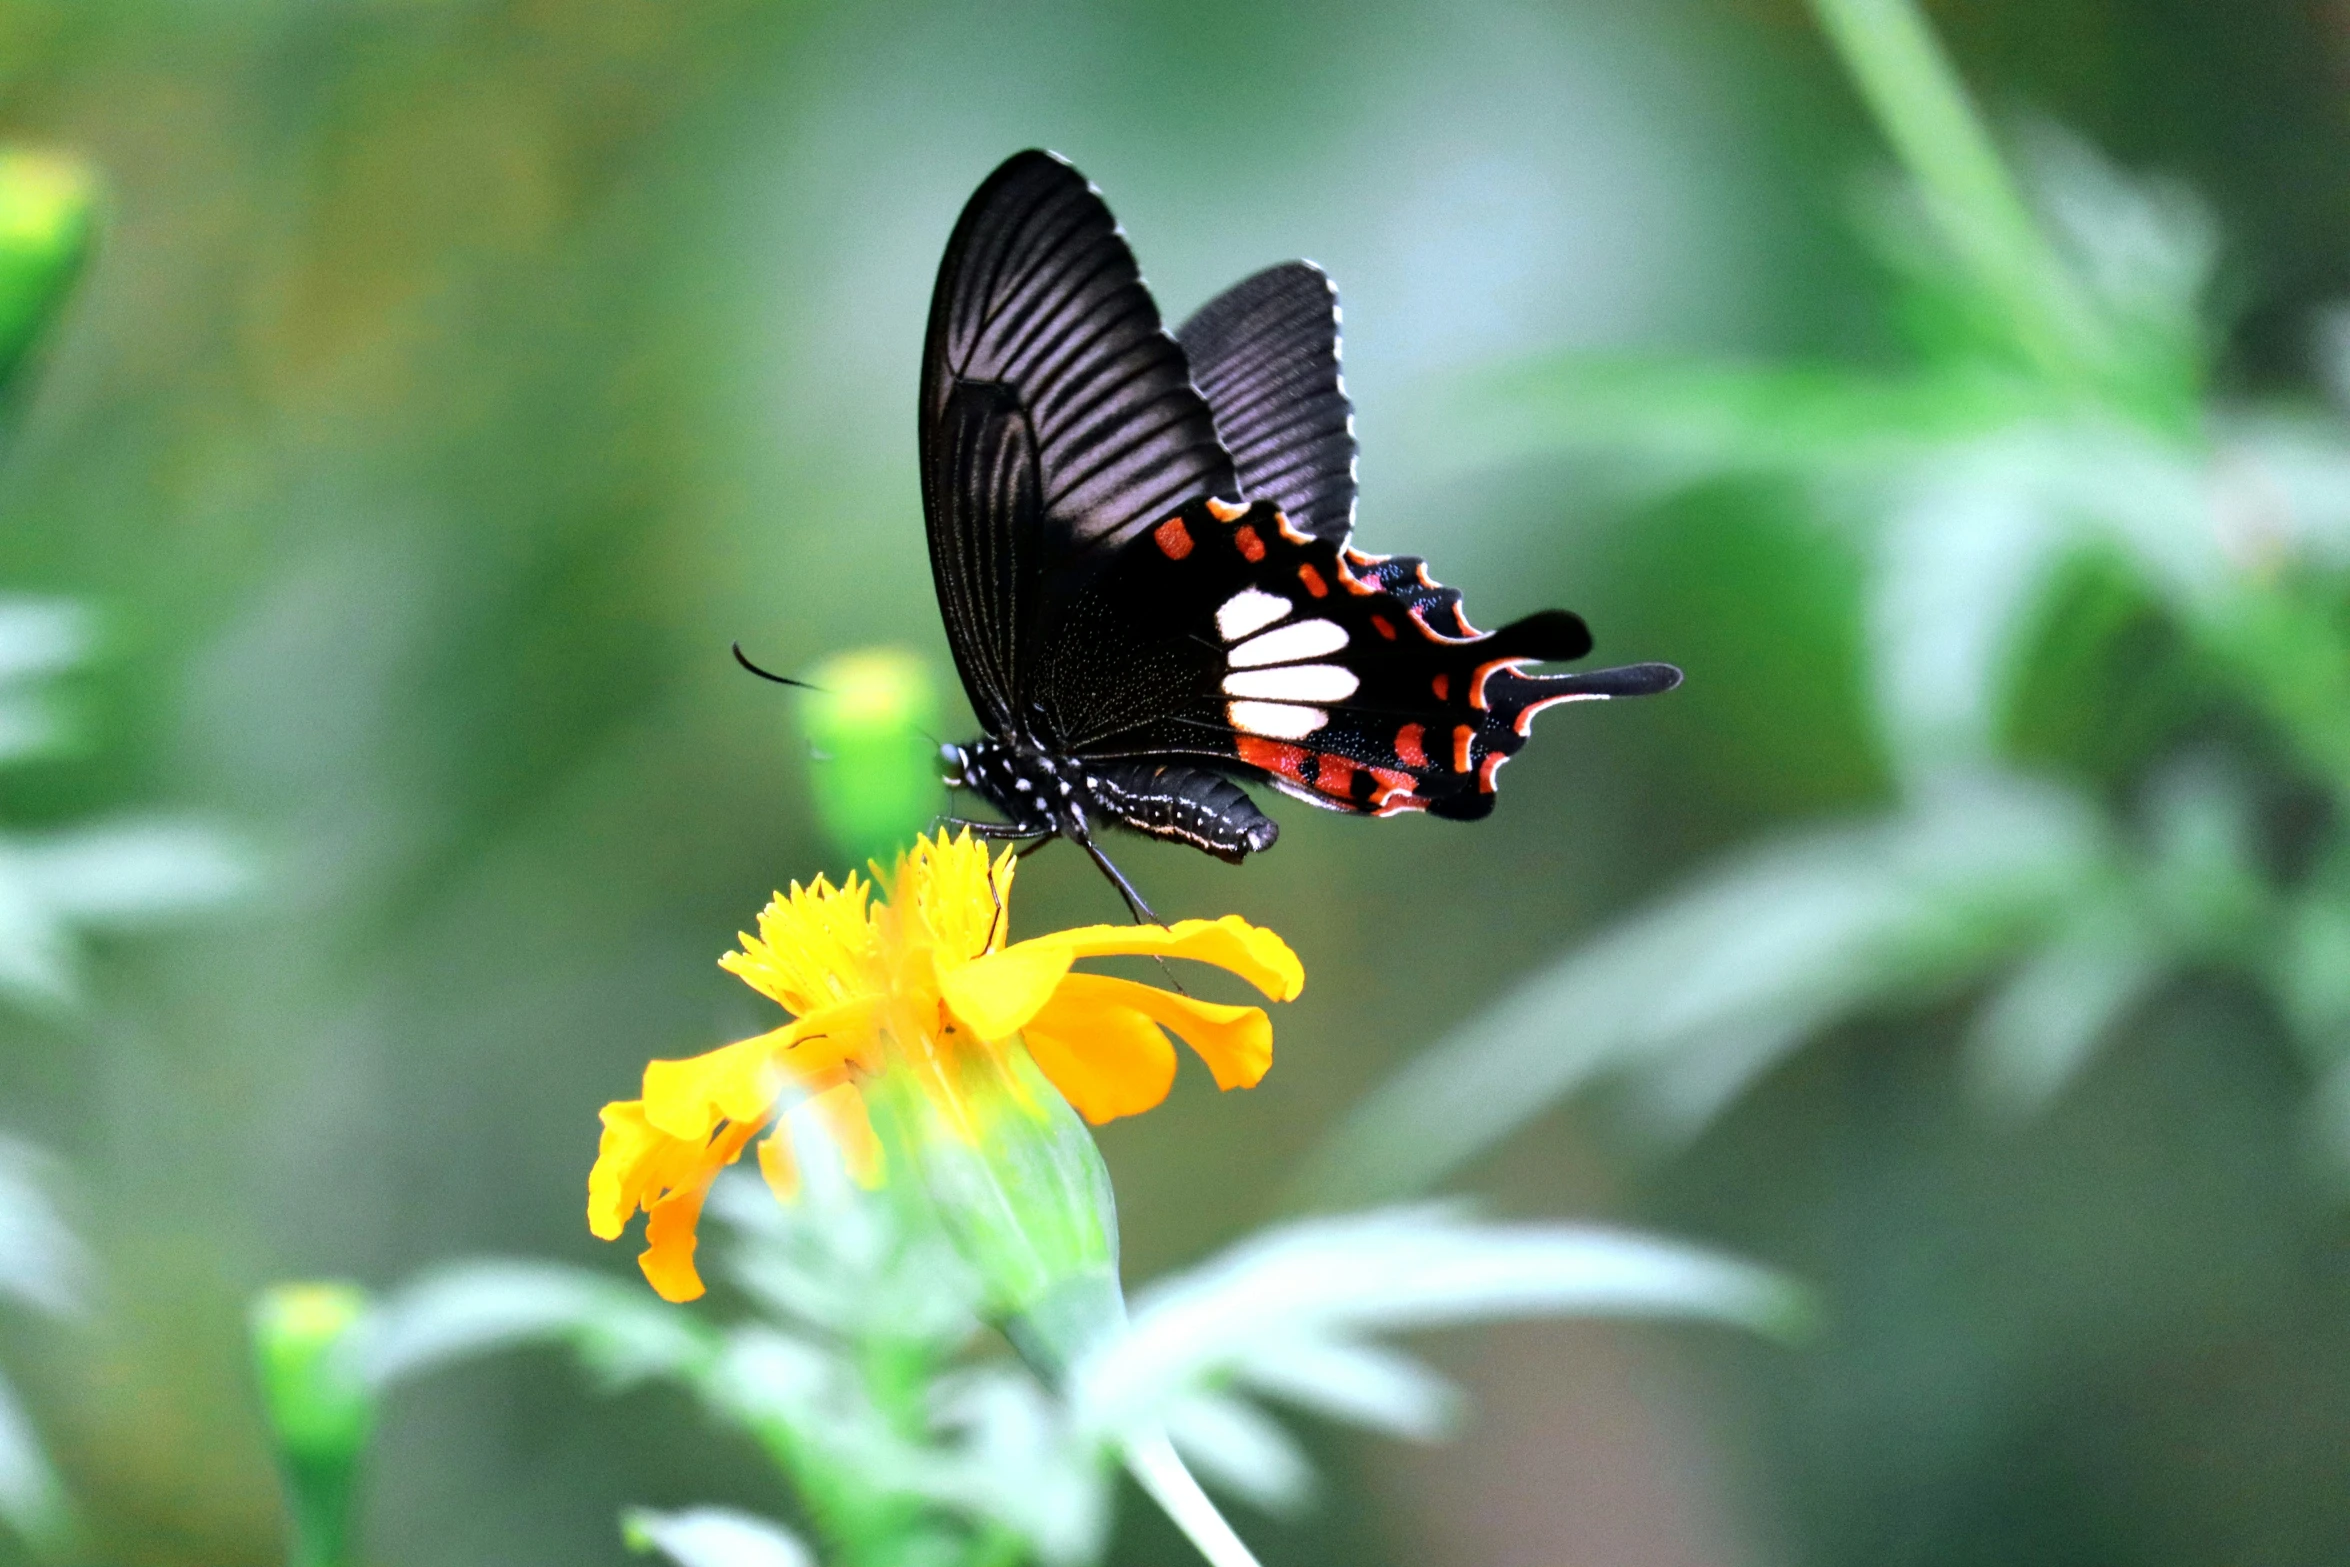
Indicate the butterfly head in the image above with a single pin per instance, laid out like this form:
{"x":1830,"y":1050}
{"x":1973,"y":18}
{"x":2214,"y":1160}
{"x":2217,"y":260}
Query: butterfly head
{"x":1036,"y":792}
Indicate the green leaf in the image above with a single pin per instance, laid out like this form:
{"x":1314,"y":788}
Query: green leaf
{"x":1684,"y":421}
{"x":2041,"y":1027}
{"x":1740,"y":966}
{"x":713,"y":1537}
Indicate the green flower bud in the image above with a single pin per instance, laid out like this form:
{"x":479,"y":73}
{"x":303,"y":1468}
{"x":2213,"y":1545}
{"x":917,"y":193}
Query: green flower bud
{"x":875,"y":769}
{"x":48,"y":205}
{"x":308,"y":1344}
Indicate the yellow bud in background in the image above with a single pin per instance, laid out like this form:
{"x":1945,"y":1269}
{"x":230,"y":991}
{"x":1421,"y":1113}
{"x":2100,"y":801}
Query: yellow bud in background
{"x":874,"y":766}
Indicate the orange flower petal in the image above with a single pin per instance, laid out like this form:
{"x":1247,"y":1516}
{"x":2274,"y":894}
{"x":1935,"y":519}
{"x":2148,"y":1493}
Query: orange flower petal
{"x":686,"y":1099}
{"x":613,"y":1185}
{"x":997,"y":994}
{"x":670,"y":1239}
{"x":777,"y":1165}
{"x":1235,"y":1042}
{"x":1251,"y":951}
{"x":741,"y":1081}
{"x":671,"y":1221}
{"x":840,"y":1109}
{"x":1106,"y":1060}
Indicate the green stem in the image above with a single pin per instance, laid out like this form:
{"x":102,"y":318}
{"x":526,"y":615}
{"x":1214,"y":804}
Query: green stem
{"x":1923,"y":109}
{"x":320,"y":1493}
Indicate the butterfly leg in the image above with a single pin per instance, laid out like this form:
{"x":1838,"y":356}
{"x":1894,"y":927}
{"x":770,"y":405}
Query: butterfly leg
{"x":997,"y":919}
{"x":1141,"y":910}
{"x":979,"y":829}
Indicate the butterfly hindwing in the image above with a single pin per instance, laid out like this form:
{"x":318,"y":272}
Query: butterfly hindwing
{"x":980,"y":467}
{"x":1350,"y":680}
{"x":1265,"y":354}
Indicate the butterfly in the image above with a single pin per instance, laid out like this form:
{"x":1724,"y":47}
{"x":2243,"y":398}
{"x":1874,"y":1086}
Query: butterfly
{"x":1143,"y":550}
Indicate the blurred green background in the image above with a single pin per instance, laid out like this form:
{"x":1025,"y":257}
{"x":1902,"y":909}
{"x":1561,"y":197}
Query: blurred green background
{"x":454,"y":381}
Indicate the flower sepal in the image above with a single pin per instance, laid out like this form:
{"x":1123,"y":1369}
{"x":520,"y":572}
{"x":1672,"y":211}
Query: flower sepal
{"x":1009,"y":1171}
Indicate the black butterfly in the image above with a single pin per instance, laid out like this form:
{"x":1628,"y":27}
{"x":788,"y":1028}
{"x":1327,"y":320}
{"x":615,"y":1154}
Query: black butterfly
{"x":1141,"y":549}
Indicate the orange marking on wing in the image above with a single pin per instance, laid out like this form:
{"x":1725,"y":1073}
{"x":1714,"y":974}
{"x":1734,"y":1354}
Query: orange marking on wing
{"x":1173,"y":538}
{"x":1485,"y":773}
{"x":1408,"y":749}
{"x":1383,"y":626}
{"x":1223,"y":512}
{"x":1290,"y":532}
{"x":1252,"y":548}
{"x":1313,"y":581}
{"x":1477,"y":680}
{"x":1524,"y":723}
{"x":1286,"y":760}
{"x":1434,"y":635}
{"x":1389,"y":783}
{"x":1463,"y":736}
{"x":1442,"y":685}
{"x":1396,"y":805}
{"x":1334,"y":774}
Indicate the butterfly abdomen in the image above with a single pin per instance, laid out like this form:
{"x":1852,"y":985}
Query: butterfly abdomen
{"x":1185,"y":804}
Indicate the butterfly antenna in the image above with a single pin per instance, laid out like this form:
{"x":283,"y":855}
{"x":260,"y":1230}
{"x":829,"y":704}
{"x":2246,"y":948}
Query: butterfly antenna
{"x":744,"y":659}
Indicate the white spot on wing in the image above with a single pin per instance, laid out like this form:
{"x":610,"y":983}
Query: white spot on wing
{"x":1251,"y":609}
{"x":1306,"y":639}
{"x":1296,"y":683}
{"x":1275,"y":720}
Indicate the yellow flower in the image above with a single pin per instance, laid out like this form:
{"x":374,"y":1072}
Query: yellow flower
{"x":918,"y":1002}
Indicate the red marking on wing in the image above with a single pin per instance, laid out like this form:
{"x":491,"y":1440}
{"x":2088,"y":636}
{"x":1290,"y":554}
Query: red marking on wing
{"x":1397,"y":804}
{"x":1223,"y":512}
{"x":1383,"y":626}
{"x":1173,"y":538}
{"x":1252,"y":548}
{"x":1390,"y":785}
{"x":1477,"y":680}
{"x":1313,"y":581}
{"x":1442,"y":685}
{"x":1286,"y":760}
{"x":1491,"y":766}
{"x":1463,"y":736}
{"x":1408,"y":749}
{"x":1334,"y":774}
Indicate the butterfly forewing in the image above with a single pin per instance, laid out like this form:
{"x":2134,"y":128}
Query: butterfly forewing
{"x":1039,"y":293}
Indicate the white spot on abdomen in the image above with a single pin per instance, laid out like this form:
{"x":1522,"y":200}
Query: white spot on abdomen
{"x":1251,"y":609}
{"x":1306,"y":639}
{"x":1276,"y":720}
{"x":1297,"y":683}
